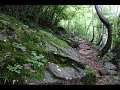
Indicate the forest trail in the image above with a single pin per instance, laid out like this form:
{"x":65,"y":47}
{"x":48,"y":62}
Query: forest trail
{"x":89,"y":54}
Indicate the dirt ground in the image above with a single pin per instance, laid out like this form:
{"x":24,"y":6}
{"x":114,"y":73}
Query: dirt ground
{"x":89,"y":54}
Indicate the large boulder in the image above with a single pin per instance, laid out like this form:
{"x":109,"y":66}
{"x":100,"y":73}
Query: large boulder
{"x":104,"y":71}
{"x":69,"y":54}
{"x":73,"y":41}
{"x":110,"y":66}
{"x":66,"y":73}
{"x":56,"y":75}
{"x":108,"y":69}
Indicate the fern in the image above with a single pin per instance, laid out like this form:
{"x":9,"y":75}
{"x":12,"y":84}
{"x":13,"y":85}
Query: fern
{"x":36,"y":61}
{"x":19,"y":46}
{"x":16,"y":68}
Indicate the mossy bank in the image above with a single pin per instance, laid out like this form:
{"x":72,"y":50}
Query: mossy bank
{"x":24,"y":52}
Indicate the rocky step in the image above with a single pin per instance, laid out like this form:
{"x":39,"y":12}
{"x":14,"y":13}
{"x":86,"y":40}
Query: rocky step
{"x":56,"y":75}
{"x":108,"y":69}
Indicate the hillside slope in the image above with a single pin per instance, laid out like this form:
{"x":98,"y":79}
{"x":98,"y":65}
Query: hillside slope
{"x":37,"y":57}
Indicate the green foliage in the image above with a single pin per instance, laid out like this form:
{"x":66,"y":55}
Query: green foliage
{"x":19,"y":46}
{"x":20,"y":57}
{"x":30,"y":40}
{"x":42,"y":35}
{"x":41,"y":15}
{"x":36,"y":61}
{"x":90,"y":78}
{"x":3,"y":79}
{"x":4,"y":45}
{"x":75,"y":18}
{"x":14,"y":22}
{"x":16,"y":68}
{"x":35,"y":75}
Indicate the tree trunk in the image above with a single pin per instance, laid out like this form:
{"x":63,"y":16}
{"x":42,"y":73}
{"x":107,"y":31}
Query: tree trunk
{"x":93,"y":27}
{"x":53,"y":13}
{"x":109,"y":30}
{"x":93,"y":35}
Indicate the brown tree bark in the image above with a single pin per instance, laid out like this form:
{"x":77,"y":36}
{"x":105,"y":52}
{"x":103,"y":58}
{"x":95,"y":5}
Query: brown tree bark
{"x":109,"y":30}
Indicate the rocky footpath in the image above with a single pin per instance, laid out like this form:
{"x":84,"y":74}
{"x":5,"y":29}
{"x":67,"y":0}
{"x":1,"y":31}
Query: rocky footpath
{"x":106,"y":72}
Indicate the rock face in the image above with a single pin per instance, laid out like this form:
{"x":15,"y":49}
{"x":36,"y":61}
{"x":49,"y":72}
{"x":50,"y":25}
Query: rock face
{"x":73,"y":42}
{"x":56,"y":75}
{"x":15,"y":38}
{"x":69,"y":53}
{"x":66,"y":73}
{"x":2,"y":37}
{"x":110,"y":66}
{"x":108,"y":69}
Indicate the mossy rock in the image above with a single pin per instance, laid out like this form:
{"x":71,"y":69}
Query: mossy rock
{"x":32,"y":40}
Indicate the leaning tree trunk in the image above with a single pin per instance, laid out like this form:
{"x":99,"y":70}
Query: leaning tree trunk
{"x":109,"y":30}
{"x":93,"y":35}
{"x":93,"y":28}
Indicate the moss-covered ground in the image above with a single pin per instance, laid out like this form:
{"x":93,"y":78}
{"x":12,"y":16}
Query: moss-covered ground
{"x":22,"y":45}
{"x":18,"y":50}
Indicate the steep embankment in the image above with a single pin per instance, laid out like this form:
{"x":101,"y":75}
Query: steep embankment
{"x":37,"y":57}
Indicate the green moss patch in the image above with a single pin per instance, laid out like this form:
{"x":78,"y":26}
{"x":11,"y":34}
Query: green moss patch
{"x":5,"y":46}
{"x":49,"y":37}
{"x":90,"y":78}
{"x":20,"y":50}
{"x":14,"y":22}
{"x":34,"y":75}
